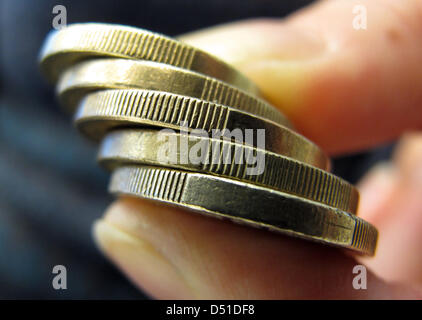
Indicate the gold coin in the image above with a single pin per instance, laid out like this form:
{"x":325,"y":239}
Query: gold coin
{"x":101,"y":111}
{"x":248,"y":204}
{"x":76,"y":42}
{"x":98,"y":74}
{"x":227,"y":159}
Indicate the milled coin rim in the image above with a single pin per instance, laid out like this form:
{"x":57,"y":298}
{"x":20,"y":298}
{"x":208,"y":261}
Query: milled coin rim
{"x":279,"y":172}
{"x":76,"y":42}
{"x":247,"y":204}
{"x":101,"y":74}
{"x":101,"y":111}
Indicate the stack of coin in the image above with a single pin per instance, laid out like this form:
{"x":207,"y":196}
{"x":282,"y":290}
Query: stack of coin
{"x":179,"y":126}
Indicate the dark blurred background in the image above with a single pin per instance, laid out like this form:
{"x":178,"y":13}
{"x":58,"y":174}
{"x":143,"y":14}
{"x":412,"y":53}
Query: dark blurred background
{"x":51,"y":189}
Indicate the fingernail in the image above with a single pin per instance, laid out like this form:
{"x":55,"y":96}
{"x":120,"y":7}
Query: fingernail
{"x":376,"y":188}
{"x":141,"y":262}
{"x":408,"y":157}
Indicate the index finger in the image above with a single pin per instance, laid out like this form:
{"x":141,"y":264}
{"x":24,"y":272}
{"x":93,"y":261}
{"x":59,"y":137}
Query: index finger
{"x":347,"y":73}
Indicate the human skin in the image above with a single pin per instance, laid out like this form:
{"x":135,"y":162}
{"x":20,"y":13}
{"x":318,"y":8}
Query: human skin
{"x":345,"y":89}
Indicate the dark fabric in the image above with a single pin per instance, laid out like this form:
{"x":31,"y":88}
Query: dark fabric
{"x":51,"y":189}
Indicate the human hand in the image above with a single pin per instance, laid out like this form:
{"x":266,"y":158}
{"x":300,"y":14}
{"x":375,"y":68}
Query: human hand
{"x":346,"y":90}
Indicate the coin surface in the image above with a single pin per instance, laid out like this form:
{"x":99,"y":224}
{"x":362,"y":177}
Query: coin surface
{"x":227,"y":159}
{"x":247,"y":204}
{"x":77,"y":42}
{"x":98,"y":74}
{"x":101,"y":111}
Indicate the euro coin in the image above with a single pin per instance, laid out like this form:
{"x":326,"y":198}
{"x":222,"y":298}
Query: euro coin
{"x":76,"y":42}
{"x":98,"y":74}
{"x":227,"y":159}
{"x":247,"y":204}
{"x":102,"y":111}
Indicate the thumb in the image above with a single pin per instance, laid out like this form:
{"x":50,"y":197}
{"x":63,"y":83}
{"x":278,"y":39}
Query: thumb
{"x":174,"y":254}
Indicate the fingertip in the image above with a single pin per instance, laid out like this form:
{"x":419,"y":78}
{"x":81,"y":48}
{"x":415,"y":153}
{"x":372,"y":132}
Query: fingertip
{"x":346,"y":88}
{"x":140,"y":261}
{"x":377,"y":186}
{"x":391,"y":200}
